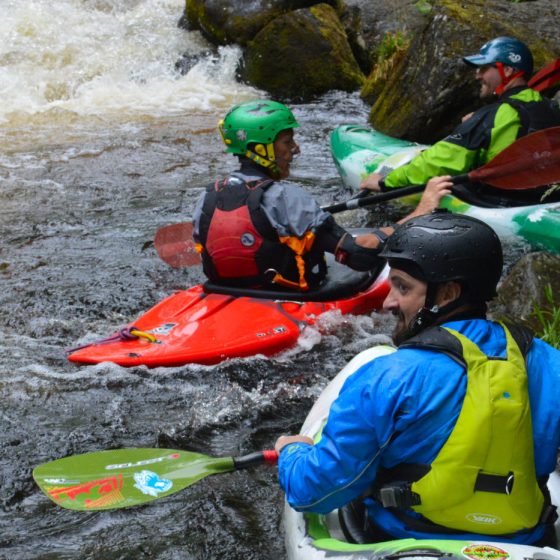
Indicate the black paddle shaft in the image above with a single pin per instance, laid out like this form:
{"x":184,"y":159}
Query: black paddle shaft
{"x":254,"y":459}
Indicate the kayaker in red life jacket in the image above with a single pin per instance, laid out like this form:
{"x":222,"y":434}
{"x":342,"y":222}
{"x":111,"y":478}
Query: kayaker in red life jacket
{"x":503,"y":67}
{"x":253,"y":228}
{"x":452,"y":436}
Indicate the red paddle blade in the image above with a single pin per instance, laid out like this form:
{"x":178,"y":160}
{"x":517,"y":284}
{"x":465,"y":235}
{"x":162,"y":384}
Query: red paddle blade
{"x":531,"y":161}
{"x":175,"y":246}
{"x":546,"y":77}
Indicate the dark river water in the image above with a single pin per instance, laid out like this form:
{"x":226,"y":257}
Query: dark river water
{"x":76,"y":263}
{"x":101,"y":143}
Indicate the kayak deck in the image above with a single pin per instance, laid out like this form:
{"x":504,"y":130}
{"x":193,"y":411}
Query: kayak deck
{"x":360,"y":150}
{"x":194,"y":326}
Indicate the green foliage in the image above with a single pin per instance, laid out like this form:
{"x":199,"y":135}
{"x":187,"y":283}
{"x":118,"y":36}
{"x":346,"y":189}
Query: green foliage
{"x":424,"y":7}
{"x":391,"y":44}
{"x":549,"y":319}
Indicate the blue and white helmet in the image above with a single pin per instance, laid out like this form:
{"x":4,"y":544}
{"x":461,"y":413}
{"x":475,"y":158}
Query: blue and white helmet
{"x":507,"y":50}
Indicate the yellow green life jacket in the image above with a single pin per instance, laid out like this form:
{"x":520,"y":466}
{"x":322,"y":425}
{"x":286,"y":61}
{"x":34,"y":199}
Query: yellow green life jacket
{"x":483,"y":479}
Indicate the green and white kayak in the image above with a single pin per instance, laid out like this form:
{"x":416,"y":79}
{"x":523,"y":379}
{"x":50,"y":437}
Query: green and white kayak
{"x":360,"y":150}
{"x":321,"y":537}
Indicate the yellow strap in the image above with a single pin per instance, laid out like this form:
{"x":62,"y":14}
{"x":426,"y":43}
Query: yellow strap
{"x":141,"y":334}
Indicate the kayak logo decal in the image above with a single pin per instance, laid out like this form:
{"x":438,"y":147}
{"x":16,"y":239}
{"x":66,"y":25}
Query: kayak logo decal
{"x":276,"y":330}
{"x":164,"y":329}
{"x":142,"y":463}
{"x":484,"y":552}
{"x":514,"y":57}
{"x":247,"y":239}
{"x":484,"y":518}
{"x":151,"y":484}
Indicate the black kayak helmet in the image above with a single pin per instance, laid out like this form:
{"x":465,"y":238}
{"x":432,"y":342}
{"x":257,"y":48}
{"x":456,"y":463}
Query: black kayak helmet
{"x":442,"y":247}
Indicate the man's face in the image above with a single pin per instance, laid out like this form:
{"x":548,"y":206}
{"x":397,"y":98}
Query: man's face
{"x":406,"y":297}
{"x":489,"y":79}
{"x":285,"y":148}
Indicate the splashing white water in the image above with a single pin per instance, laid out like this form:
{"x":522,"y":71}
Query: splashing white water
{"x":107,"y":58}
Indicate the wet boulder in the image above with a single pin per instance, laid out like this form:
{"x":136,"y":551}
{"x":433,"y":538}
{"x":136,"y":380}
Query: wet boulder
{"x":530,"y":284}
{"x":301,"y":54}
{"x":420,"y":88}
{"x":225,"y":22}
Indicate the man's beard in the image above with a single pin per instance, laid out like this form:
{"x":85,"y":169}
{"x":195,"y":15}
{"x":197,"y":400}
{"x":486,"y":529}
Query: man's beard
{"x":401,"y":331}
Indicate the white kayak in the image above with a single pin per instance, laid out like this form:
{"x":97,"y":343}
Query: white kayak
{"x":320,"y":537}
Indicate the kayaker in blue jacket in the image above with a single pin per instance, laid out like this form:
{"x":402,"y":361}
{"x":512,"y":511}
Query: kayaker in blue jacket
{"x":452,"y":436}
{"x":254,"y":228}
{"x":503,"y":68}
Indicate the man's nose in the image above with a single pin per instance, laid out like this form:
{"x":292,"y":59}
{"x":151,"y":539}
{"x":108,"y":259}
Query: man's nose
{"x":390,"y":303}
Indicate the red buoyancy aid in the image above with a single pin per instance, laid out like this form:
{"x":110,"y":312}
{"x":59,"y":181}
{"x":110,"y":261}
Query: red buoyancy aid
{"x":239,"y":246}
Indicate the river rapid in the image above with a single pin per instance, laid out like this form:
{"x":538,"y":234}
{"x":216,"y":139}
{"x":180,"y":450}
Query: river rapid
{"x":103,"y":141}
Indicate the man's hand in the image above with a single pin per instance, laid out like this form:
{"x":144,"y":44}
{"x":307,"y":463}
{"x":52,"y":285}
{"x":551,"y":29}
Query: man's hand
{"x":282,"y":441}
{"x":436,"y":189}
{"x":371,"y":182}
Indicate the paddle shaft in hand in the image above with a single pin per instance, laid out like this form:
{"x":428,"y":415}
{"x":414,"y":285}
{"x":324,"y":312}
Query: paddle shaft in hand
{"x":129,"y":477}
{"x":531,"y":161}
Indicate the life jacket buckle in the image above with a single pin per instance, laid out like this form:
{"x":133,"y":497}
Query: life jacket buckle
{"x":509,"y":483}
{"x":398,"y":496}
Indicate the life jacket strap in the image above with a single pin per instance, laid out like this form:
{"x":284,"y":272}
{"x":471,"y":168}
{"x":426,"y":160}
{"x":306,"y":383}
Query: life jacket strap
{"x":494,"y":483}
{"x":397,"y":496}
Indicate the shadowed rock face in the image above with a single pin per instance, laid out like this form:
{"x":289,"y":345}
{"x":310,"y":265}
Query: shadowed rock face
{"x":418,"y":86}
{"x":429,"y":88}
{"x":529,"y":276}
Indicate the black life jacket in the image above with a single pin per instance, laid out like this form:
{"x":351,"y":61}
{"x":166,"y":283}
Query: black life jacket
{"x":535,"y":115}
{"x":239,"y":246}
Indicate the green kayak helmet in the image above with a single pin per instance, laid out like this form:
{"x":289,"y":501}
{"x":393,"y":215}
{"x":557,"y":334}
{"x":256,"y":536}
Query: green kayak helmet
{"x":442,"y":247}
{"x":507,"y":50}
{"x":249,"y":129}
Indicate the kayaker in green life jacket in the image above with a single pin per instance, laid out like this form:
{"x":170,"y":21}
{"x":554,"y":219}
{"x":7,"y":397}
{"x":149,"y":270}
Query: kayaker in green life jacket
{"x":255,"y":229}
{"x":452,"y":436}
{"x":503,"y":67}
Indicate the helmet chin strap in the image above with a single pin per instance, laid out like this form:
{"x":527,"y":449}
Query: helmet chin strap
{"x":505,"y":79}
{"x":265,"y":158}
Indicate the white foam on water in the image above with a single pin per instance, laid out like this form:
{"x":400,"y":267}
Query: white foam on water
{"x":107,"y":58}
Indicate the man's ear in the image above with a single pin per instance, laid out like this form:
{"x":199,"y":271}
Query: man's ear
{"x":448,"y":292}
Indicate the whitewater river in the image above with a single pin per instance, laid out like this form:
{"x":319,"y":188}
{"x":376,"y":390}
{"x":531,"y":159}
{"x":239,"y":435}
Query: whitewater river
{"x":103,"y":141}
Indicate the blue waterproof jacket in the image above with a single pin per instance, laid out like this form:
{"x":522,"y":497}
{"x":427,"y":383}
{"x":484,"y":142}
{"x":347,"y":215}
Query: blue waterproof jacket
{"x":418,"y":394}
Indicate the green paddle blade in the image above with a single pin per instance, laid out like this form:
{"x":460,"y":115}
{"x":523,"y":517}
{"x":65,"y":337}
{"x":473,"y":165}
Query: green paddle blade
{"x":124,"y":477}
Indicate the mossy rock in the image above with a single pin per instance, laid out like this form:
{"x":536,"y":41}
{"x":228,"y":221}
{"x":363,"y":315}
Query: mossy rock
{"x":429,"y":88}
{"x":302,"y":54}
{"x":224,"y":22}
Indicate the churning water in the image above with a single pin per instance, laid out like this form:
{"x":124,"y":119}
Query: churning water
{"x":103,"y":141}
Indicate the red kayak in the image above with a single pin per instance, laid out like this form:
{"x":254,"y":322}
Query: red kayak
{"x":207,"y":324}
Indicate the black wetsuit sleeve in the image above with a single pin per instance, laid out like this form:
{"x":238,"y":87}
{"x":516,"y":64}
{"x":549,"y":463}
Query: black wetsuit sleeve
{"x":334,"y":239}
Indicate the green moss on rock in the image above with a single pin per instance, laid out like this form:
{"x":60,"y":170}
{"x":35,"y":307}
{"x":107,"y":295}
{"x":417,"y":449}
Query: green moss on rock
{"x":301,"y":54}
